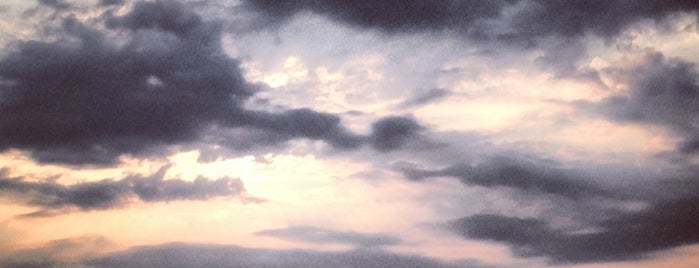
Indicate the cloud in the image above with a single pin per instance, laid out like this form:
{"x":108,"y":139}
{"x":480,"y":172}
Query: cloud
{"x":515,"y":21}
{"x":304,"y":123}
{"x":393,"y":132}
{"x":525,"y":176}
{"x":192,"y":255}
{"x":56,"y":253}
{"x":56,"y":4}
{"x":323,"y":236}
{"x":424,"y":98}
{"x":662,"y":92}
{"x":90,"y":100}
{"x":111,"y":2}
{"x":157,"y":77}
{"x":559,"y":30}
{"x":661,"y":216}
{"x":54,"y":198}
{"x":632,"y":235}
{"x":390,"y":16}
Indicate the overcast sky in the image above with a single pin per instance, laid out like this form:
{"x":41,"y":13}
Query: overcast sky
{"x":307,"y":133}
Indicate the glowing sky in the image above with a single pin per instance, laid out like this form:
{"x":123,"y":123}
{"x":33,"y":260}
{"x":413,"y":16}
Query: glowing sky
{"x":303,"y":133}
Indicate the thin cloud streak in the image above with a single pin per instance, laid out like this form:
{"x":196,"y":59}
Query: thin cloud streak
{"x":324,"y":236}
{"x":54,"y":198}
{"x":525,"y":176}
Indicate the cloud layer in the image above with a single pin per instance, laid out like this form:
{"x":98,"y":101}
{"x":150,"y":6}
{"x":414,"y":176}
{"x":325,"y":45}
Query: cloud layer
{"x":184,"y":255}
{"x":516,"y":21}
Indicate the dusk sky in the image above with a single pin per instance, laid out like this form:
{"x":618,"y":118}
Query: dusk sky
{"x":355,"y":133}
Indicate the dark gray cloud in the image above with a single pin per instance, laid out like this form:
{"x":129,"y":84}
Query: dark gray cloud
{"x":57,"y":4}
{"x":661,"y":91}
{"x":518,"y":21}
{"x":54,"y":198}
{"x":393,"y":132}
{"x":605,"y":18}
{"x":661,"y":216}
{"x":525,"y":176}
{"x":324,"y":236}
{"x":631,"y":235}
{"x":111,"y":2}
{"x":89,"y":98}
{"x":390,"y":16}
{"x":188,"y":255}
{"x":304,"y":123}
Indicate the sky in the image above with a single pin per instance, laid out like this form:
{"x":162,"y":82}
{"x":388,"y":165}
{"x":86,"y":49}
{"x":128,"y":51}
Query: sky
{"x":304,"y":133}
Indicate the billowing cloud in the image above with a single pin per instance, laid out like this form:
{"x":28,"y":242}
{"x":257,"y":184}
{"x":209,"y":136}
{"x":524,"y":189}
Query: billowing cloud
{"x":661,"y":91}
{"x":89,"y":98}
{"x":324,"y":236}
{"x":52,"y":197}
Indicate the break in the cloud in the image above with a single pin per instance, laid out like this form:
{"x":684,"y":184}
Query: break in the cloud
{"x":324,"y":236}
{"x":631,"y":235}
{"x":53,"y":198}
{"x":518,"y":21}
{"x":525,"y":176}
{"x":89,"y":98}
{"x":661,"y":91}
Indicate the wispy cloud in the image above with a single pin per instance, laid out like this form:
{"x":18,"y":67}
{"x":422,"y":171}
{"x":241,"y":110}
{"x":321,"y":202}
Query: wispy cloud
{"x":525,"y":176}
{"x":53,"y":198}
{"x":324,"y":236}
